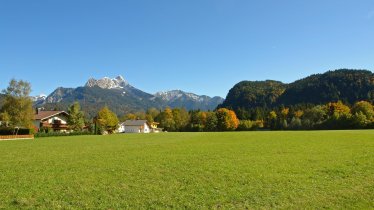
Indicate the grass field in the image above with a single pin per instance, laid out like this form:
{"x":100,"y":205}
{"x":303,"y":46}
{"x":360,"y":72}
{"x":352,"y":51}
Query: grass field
{"x":316,"y":169}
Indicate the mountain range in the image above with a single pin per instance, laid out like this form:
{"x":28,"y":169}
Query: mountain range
{"x":246,"y":98}
{"x":122,"y":98}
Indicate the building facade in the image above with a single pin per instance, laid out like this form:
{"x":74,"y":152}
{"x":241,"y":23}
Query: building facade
{"x":55,"y":120}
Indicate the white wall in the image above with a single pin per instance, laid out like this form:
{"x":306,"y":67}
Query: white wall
{"x":137,"y":129}
{"x":121,"y":128}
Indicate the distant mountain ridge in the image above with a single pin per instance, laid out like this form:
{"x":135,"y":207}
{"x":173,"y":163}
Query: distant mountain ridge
{"x":178,"y":98}
{"x":121,"y":97}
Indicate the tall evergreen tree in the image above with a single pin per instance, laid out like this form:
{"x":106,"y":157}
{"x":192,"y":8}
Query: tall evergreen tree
{"x":76,"y":117}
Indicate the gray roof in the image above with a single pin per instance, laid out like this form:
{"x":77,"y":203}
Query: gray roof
{"x":134,"y":122}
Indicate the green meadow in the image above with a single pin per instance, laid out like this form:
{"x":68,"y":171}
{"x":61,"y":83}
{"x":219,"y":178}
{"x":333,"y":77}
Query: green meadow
{"x":255,"y":170}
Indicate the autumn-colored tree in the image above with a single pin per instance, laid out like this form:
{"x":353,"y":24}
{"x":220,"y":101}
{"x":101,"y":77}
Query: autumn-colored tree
{"x":129,"y":116}
{"x":272,"y":120}
{"x":4,"y":119}
{"x":17,"y":104}
{"x":198,"y":120}
{"x":272,"y":115}
{"x":202,"y":117}
{"x":227,"y":120}
{"x":166,"y":119}
{"x":363,"y":114}
{"x":339,"y":116}
{"x":284,"y":113}
{"x":149,"y":118}
{"x":298,"y":113}
{"x":365,"y":108}
{"x":107,"y":120}
{"x":338,"y":109}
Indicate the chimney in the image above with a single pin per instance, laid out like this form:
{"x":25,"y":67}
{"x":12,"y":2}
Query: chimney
{"x":39,"y":109}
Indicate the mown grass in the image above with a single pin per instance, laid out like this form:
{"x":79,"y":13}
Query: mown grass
{"x":255,"y":170}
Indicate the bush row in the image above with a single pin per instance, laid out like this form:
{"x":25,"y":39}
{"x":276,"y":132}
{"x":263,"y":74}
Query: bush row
{"x":49,"y":134}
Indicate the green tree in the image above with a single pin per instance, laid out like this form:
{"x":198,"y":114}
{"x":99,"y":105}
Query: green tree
{"x":18,"y":104}
{"x":140,"y":115}
{"x":359,"y":120}
{"x":313,"y":117}
{"x":295,"y":123}
{"x":151,"y":115}
{"x":211,"y":121}
{"x":76,"y":117}
{"x":181,"y":119}
{"x":245,"y":125}
{"x":107,"y":120}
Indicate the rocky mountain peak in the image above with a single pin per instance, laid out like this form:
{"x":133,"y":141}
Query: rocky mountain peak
{"x":40,"y":97}
{"x":108,"y":83}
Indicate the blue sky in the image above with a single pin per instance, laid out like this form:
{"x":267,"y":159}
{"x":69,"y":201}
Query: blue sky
{"x":200,"y":46}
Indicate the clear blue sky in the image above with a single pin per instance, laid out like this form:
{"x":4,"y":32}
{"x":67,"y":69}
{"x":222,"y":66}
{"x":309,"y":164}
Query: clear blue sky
{"x":200,"y":46}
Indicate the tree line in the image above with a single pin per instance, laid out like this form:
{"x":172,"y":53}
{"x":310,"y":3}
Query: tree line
{"x":17,"y":111}
{"x":333,"y":115}
{"x":179,"y":119}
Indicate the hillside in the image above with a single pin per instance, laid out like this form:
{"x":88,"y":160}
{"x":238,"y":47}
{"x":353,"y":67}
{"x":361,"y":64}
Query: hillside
{"x":248,"y":94}
{"x":346,"y":85}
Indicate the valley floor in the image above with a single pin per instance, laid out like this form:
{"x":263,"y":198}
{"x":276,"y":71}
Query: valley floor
{"x":295,"y":169}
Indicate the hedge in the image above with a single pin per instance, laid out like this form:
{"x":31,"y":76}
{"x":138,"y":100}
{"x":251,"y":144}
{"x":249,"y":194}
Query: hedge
{"x":13,"y":131}
{"x":49,"y":134}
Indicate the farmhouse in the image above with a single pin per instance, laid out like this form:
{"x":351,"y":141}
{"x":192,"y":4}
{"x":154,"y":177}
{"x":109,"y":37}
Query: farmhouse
{"x":135,"y":126}
{"x":56,"y":120}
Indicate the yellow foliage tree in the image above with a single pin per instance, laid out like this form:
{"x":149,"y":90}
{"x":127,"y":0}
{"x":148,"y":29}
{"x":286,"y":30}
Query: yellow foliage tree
{"x":227,"y":120}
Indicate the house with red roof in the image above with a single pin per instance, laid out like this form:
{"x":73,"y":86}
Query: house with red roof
{"x":55,"y":120}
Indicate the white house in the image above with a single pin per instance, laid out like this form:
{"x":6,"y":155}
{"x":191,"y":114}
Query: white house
{"x":135,"y":126}
{"x":56,"y":120}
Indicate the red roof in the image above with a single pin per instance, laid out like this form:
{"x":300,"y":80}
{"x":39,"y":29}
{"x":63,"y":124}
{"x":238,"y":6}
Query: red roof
{"x":41,"y":115}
